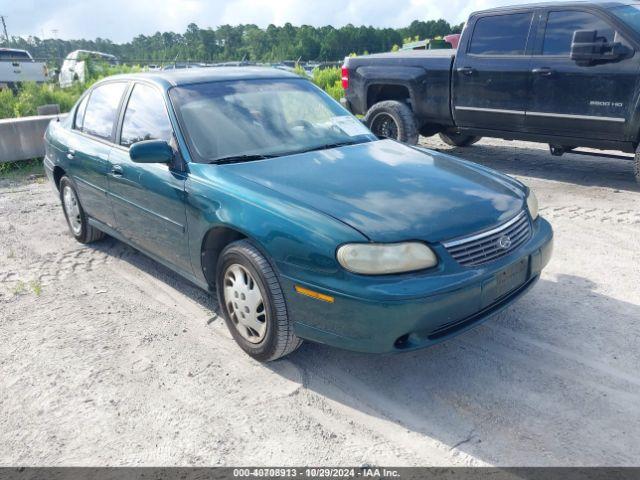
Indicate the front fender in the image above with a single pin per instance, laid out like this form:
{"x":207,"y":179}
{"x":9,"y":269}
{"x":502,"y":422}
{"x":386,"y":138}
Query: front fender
{"x":299,"y":240}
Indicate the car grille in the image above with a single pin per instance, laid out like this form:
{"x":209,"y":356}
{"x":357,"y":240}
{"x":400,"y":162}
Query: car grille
{"x":488,"y":246}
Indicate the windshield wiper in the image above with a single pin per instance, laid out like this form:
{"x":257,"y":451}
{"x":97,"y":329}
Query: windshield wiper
{"x":326,"y":146}
{"x":251,"y":157}
{"x":241,"y":158}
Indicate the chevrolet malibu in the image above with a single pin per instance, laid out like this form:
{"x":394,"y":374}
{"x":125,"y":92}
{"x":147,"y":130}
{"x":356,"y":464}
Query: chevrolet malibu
{"x":255,"y":184}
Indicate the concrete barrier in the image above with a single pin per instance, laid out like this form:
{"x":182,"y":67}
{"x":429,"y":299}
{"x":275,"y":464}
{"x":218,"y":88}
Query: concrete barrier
{"x":22,"y":138}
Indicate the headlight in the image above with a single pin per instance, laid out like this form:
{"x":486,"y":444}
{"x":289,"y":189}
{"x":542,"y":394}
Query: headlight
{"x":379,"y":259}
{"x":532,"y":204}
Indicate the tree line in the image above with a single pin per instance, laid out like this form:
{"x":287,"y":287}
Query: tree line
{"x":244,"y":42}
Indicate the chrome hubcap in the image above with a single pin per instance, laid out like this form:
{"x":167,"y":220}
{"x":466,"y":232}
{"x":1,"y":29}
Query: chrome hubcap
{"x":244,"y":303}
{"x":72,"y":209}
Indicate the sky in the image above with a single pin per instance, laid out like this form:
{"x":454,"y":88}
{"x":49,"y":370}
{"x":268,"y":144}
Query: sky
{"x":121,"y":20}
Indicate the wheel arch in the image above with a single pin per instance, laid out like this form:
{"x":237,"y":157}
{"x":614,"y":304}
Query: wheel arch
{"x":379,"y":92}
{"x":213,"y":242}
{"x":58,"y":173}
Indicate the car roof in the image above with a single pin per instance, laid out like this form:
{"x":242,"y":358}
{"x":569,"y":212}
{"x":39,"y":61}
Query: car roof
{"x":172,"y":78}
{"x":74,"y":55}
{"x":604,"y":4}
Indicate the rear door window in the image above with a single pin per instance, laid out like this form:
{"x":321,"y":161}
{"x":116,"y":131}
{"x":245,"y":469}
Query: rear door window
{"x":562,"y":24}
{"x":79,"y":122}
{"x":102,"y":109}
{"x":146,"y":117}
{"x":501,"y":34}
{"x":14,"y":55}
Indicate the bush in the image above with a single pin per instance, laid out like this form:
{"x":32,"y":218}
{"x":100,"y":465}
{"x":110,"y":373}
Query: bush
{"x":330,"y":80}
{"x":7,"y":103}
{"x":32,"y":95}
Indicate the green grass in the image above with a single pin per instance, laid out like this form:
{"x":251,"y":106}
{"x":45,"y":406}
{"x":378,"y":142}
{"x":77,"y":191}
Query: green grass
{"x":19,"y":171}
{"x":36,"y":286}
{"x":19,"y":288}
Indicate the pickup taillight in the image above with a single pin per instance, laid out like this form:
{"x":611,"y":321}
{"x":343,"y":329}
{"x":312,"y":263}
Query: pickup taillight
{"x":345,"y":77}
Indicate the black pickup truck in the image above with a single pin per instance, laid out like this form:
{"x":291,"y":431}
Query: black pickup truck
{"x":566,"y":74}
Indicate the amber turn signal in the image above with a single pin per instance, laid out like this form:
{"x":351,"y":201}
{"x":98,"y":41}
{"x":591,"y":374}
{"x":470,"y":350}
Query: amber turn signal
{"x":312,"y":294}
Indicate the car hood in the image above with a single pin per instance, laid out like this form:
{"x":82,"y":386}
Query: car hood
{"x":392,"y":192}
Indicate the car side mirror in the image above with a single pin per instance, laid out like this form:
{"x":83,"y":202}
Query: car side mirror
{"x":584,"y":46}
{"x":151,"y":151}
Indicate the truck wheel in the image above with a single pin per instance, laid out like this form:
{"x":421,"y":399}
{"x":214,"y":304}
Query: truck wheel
{"x":392,"y":119}
{"x":252,"y":303}
{"x":458,"y":139}
{"x":636,"y":165}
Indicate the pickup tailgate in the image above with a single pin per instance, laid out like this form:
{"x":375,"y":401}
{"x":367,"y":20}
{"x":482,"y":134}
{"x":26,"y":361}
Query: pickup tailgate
{"x":18,"y":71}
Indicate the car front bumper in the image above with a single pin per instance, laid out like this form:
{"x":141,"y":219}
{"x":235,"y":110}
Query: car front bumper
{"x":390,"y":316}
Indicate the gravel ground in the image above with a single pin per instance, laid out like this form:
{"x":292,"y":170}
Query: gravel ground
{"x":107,"y":358}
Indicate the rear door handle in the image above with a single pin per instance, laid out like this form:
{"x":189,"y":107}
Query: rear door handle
{"x":116,"y":170}
{"x":542,"y":71}
{"x":71,"y":154}
{"x":466,"y":70}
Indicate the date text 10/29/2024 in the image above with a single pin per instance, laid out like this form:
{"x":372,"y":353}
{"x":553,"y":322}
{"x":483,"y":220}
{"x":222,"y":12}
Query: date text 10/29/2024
{"x":320,"y":472}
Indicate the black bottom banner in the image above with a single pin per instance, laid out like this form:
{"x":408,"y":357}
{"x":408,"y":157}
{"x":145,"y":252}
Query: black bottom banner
{"x":401,"y":473}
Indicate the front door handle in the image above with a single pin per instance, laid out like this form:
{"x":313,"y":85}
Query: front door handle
{"x":542,"y":71}
{"x":71,"y":154}
{"x":468,"y":71}
{"x":116,"y":170}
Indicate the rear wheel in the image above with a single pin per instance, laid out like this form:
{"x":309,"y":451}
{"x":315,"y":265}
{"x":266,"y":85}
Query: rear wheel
{"x":74,"y":213}
{"x":392,"y":119}
{"x":252,"y":303}
{"x":456,"y":139}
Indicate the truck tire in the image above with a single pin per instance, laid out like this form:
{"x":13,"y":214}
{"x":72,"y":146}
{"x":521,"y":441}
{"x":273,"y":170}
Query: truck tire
{"x":458,"y":139}
{"x":392,"y":119}
{"x":636,"y":165}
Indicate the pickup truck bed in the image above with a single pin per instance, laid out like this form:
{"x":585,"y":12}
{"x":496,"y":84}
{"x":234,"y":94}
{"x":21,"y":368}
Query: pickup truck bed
{"x":423,"y":75}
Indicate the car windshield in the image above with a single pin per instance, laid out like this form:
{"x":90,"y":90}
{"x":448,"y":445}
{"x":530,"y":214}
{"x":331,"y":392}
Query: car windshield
{"x":252,"y":119}
{"x":629,"y":14}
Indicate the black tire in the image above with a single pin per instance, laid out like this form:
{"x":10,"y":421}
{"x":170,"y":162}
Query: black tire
{"x":279,"y":339}
{"x":636,"y":165}
{"x":392,"y":119}
{"x":86,"y":233}
{"x":458,"y":139}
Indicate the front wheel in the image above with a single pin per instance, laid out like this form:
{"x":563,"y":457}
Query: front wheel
{"x":392,"y":119}
{"x":458,"y":139}
{"x":252,"y":303}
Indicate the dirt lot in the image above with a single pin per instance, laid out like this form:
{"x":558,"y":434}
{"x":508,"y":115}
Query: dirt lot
{"x":107,"y":358}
